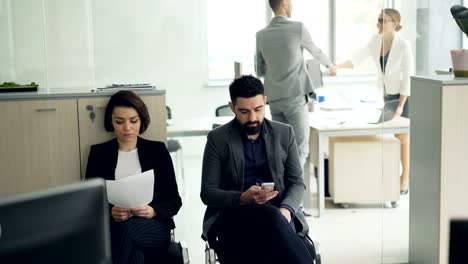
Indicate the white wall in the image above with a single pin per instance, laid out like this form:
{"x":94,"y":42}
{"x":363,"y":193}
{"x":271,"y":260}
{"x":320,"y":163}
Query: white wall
{"x":87,"y":44}
{"x":437,"y":35}
{"x":22,"y":56}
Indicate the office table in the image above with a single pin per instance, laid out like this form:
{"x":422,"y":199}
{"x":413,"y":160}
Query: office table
{"x":325,"y":124}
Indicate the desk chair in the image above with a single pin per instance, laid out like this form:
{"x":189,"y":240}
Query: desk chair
{"x":223,"y":110}
{"x":458,"y":242}
{"x":211,"y":257}
{"x":177,"y":253}
{"x":175,"y":146}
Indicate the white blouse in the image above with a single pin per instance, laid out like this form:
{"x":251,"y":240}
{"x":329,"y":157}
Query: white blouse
{"x":128,"y":164}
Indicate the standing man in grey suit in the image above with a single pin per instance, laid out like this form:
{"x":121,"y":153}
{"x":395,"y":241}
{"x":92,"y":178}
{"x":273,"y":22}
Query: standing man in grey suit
{"x":279,"y":59}
{"x":247,"y":222}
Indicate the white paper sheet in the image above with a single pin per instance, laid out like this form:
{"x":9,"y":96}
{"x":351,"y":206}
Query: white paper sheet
{"x":131,"y":191}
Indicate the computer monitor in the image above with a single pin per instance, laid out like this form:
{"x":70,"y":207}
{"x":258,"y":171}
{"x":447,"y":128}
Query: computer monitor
{"x":458,"y":241}
{"x":315,"y":73}
{"x":68,"y":224}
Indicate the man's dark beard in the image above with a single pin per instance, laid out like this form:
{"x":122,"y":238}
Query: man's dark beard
{"x":252,"y":130}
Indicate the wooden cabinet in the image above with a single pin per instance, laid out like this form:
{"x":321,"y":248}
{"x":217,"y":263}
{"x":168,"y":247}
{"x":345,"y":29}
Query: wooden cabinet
{"x":46,"y":142}
{"x":439,"y":164}
{"x":38,"y":145}
{"x":93,"y":131}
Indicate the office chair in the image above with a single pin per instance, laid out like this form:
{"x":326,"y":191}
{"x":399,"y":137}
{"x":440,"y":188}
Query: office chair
{"x":175,"y":146}
{"x":223,"y":110}
{"x":458,"y":241}
{"x":312,"y":246}
{"x":177,"y":253}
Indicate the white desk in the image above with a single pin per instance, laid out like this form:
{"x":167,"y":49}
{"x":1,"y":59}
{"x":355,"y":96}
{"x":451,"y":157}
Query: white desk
{"x":326,"y":124}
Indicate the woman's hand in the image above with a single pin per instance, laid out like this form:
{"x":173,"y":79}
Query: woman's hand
{"x":398,"y":112}
{"x":345,"y":65}
{"x":120,"y":214}
{"x":145,"y":211}
{"x":332,"y":70}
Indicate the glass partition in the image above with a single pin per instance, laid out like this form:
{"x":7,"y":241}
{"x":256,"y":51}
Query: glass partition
{"x":87,"y":44}
{"x":22,"y":45}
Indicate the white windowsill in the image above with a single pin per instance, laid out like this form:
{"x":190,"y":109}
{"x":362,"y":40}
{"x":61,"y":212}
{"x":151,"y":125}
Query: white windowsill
{"x":337,"y":80}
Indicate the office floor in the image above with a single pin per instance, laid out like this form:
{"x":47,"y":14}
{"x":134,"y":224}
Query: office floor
{"x":359,"y":234}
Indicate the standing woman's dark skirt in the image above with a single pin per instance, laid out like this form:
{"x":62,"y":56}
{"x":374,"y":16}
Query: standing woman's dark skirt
{"x":391,"y":97}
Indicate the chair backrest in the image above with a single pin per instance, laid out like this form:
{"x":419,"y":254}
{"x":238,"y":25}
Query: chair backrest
{"x":168,"y":112}
{"x":458,"y":241}
{"x":223,"y":110}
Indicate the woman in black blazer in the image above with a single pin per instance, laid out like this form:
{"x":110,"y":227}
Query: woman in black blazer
{"x":143,"y":232}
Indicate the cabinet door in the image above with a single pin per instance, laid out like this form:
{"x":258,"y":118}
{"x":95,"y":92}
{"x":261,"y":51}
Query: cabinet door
{"x":39,"y":145}
{"x":91,"y":122}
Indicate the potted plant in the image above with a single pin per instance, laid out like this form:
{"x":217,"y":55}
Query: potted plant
{"x":460,"y":56}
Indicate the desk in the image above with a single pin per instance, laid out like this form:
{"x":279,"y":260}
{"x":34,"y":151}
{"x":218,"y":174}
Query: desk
{"x":326,"y":124}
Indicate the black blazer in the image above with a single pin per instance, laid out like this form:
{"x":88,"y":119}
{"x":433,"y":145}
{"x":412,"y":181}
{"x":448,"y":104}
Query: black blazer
{"x":102,"y":162}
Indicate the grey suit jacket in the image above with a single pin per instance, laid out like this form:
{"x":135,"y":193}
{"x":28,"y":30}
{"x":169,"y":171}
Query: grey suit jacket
{"x":279,"y":58}
{"x":223,"y":170}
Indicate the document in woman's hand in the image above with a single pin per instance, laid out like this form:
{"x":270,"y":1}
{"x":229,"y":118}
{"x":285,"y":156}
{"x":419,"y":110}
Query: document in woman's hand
{"x":131,"y":191}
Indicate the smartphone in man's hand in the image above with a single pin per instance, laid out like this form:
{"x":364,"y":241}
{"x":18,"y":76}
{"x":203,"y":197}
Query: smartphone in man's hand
{"x":269,"y":186}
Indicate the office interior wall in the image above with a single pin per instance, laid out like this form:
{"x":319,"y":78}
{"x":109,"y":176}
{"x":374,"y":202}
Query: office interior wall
{"x":437,"y":34}
{"x":84,"y":44}
{"x":22,"y":38}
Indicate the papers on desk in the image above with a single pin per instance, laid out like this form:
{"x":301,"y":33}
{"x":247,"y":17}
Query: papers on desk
{"x":131,"y":191}
{"x":336,"y":107}
{"x":348,"y":118}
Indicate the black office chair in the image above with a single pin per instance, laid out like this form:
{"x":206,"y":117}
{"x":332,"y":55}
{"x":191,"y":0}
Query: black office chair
{"x":177,"y":253}
{"x":175,"y":146}
{"x":458,"y":242}
{"x":211,"y":257}
{"x":223,"y":110}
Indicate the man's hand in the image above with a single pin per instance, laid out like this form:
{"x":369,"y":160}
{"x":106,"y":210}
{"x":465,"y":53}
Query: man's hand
{"x":257,"y":195}
{"x":145,"y":211}
{"x":120,"y":214}
{"x":286,"y":213}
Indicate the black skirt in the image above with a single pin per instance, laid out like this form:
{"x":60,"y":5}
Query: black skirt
{"x":390,"y":97}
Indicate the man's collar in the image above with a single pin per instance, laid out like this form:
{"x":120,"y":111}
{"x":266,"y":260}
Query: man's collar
{"x":285,"y":17}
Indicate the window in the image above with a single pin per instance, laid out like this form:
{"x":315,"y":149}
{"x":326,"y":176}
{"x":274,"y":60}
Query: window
{"x":231,"y":36}
{"x":356,"y":23}
{"x":339,"y":27}
{"x":316,"y":19}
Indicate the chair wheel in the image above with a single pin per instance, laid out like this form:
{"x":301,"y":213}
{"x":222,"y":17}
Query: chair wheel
{"x":344,"y":205}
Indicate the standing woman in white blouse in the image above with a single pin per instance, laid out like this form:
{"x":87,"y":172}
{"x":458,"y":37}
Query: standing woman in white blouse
{"x":394,"y":62}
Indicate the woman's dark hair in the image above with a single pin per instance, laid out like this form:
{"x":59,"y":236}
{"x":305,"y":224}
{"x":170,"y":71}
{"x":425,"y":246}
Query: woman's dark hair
{"x":126,"y":99}
{"x":245,"y":86}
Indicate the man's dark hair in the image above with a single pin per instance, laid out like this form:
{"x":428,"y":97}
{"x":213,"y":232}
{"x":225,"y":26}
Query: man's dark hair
{"x":126,"y":99}
{"x":274,"y":4}
{"x":245,"y":86}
